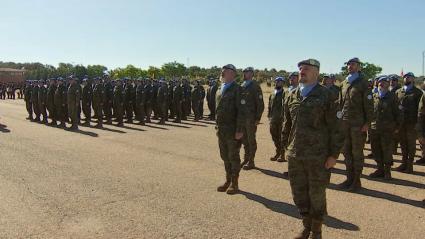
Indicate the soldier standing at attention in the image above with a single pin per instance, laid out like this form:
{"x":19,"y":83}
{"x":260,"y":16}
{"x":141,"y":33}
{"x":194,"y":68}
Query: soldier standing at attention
{"x":42,"y":98}
{"x":27,"y":98}
{"x":408,"y":97}
{"x":229,"y":124}
{"x":211,"y":91}
{"x":51,"y":100}
{"x":275,"y":116}
{"x":87,"y":96}
{"x":161,"y":101}
{"x":356,"y":111}
{"x":73,"y":100}
{"x":196,"y":100}
{"x":109,"y":95}
{"x":34,"y":101}
{"x":386,"y":121}
{"x":329,"y":82}
{"x":98,"y":101}
{"x":253,"y":103}
{"x":60,"y":96}
{"x":119,"y":103}
{"x":177,"y":101}
{"x":313,"y":145}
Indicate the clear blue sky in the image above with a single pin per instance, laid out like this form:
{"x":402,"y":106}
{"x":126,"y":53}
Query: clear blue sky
{"x":390,"y":33}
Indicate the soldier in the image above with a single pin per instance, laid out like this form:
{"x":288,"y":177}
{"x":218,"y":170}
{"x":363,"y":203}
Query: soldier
{"x":86,"y":100}
{"x":59,"y":102}
{"x":51,"y":101}
{"x":275,"y":116}
{"x":356,"y":111}
{"x":211,"y":91}
{"x":420,"y":126}
{"x":253,"y":103}
{"x":148,"y":100}
{"x":119,"y":103}
{"x":386,"y":120}
{"x":186,"y":103}
{"x":229,"y":127}
{"x":313,"y":145}
{"x":27,"y":98}
{"x":128,"y":101}
{"x":109,"y":95}
{"x":161,"y":101}
{"x":42,"y":98}
{"x":34,"y":101}
{"x":394,"y":86}
{"x":177,"y":101}
{"x":98,"y":101}
{"x":329,"y":82}
{"x":408,"y":97}
{"x":170,"y":99}
{"x":196,"y":100}
{"x":155,"y":88}
{"x":140,"y":104}
{"x":73,"y":101}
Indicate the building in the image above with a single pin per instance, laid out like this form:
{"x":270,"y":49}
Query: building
{"x":9,"y":75}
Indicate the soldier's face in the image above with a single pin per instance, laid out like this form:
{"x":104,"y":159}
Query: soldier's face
{"x":279,"y":84}
{"x":353,"y":67}
{"x":228,"y":75}
{"x":383,"y":85}
{"x":248,"y":75}
{"x":393,"y":83}
{"x":293,"y":80}
{"x":308,"y":74}
{"x":408,"y":80}
{"x":328,"y":81}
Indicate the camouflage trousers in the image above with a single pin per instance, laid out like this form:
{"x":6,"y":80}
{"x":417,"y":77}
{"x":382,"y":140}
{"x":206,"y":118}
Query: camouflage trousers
{"x":353,"y":148}
{"x":43,"y":110}
{"x":73,"y":113}
{"x":36,"y":109}
{"x":408,"y":142}
{"x":29,"y":107}
{"x":249,"y":141}
{"x":308,"y":180}
{"x":276,"y":133}
{"x":382,"y":144}
{"x":119,"y":112}
{"x":87,"y":110}
{"x":229,"y":150}
{"x":98,"y":111}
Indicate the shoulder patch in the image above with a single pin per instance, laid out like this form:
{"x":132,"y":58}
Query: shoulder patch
{"x":369,"y":97}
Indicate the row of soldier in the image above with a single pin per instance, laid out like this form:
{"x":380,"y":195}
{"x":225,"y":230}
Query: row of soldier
{"x":311,"y":123}
{"x":143,"y":99}
{"x":9,"y":91}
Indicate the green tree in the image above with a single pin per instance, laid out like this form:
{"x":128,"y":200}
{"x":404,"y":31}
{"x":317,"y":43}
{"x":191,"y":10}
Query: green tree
{"x":173,"y":69}
{"x":154,"y":72}
{"x":96,"y":70}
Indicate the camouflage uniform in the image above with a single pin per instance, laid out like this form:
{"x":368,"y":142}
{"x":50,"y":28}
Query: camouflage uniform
{"x":310,"y":132}
{"x":275,"y":115}
{"x":51,"y":103}
{"x":28,"y":102}
{"x":107,"y":107}
{"x":356,"y":104}
{"x":128,"y":101}
{"x":59,"y":101}
{"x":196,"y":101}
{"x":42,"y":97}
{"x":386,"y":119}
{"x":230,"y":120}
{"x":73,"y":100}
{"x":161,"y":101}
{"x":98,"y":101}
{"x":253,"y":104}
{"x":211,"y":91}
{"x":177,"y":101}
{"x":140,"y":102}
{"x":119,"y":103}
{"x":87,"y":97}
{"x":409,"y":103}
{"x":34,"y":101}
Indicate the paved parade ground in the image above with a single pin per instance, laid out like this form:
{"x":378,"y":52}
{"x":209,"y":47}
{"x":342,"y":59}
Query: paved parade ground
{"x":158,"y":181}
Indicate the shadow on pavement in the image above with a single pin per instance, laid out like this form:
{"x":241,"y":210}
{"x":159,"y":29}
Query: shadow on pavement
{"x":292,"y":211}
{"x":4,"y":129}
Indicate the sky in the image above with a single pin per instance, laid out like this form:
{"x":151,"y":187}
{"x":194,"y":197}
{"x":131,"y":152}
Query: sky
{"x":262,"y":34}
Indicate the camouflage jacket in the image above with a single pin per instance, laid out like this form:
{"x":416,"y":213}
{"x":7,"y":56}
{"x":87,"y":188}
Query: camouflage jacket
{"x":252,"y":101}
{"x":356,"y":102}
{"x":275,"y":113}
{"x":311,"y":128}
{"x":386,"y":113}
{"x":409,"y":103}
{"x":229,"y":111}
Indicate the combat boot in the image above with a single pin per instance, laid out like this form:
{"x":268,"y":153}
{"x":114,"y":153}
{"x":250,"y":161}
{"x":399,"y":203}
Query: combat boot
{"x":347,"y":183}
{"x":109,"y":121}
{"x":305,"y":233}
{"x":275,"y":157}
{"x":99,"y":125}
{"x":73,"y":127}
{"x":402,"y":166}
{"x":387,"y":172}
{"x":250,"y":165}
{"x":62,"y":125}
{"x":421,"y":161}
{"x":409,"y":167}
{"x":120,"y":124}
{"x":379,"y":173}
{"x":225,"y":186}
{"x":234,"y":187}
{"x":86,"y":123}
{"x":316,"y":229}
{"x":282,"y":157}
{"x":356,"y":185}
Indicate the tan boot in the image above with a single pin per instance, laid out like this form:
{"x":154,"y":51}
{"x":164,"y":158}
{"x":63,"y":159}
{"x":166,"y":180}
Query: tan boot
{"x":234,"y":188}
{"x":316,"y":229}
{"x":226,"y":184}
{"x":305,"y":233}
